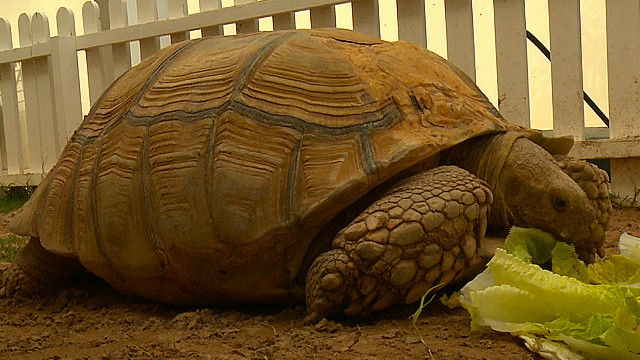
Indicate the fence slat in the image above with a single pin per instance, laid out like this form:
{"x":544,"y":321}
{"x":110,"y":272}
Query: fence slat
{"x":246,"y":26}
{"x":66,"y":79}
{"x":623,"y":52}
{"x":34,"y":156}
{"x":211,"y":5}
{"x":566,"y":68}
{"x":148,"y":12}
{"x":412,"y":22}
{"x":121,"y":51}
{"x":284,"y":21}
{"x":460,"y":45}
{"x":366,"y":17}
{"x":43,"y":72}
{"x":323,"y":17}
{"x":11,"y":146}
{"x":511,"y":61}
{"x":99,"y":70}
{"x":178,"y":8}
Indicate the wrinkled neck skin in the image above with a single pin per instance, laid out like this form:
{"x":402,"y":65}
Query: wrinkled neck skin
{"x":529,"y":188}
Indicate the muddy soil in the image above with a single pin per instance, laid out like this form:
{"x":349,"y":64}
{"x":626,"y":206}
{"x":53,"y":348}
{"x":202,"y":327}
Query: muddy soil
{"x":91,"y":321}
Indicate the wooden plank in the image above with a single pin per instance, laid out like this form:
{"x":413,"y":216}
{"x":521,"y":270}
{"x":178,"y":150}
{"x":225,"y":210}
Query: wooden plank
{"x":148,"y":13}
{"x":95,"y":67}
{"x":323,"y":17}
{"x":511,"y":61}
{"x":30,"y":179}
{"x":623,"y":49}
{"x":366,"y":17}
{"x":460,"y":44}
{"x":606,"y":149}
{"x":178,"y":8}
{"x":66,"y":80}
{"x":121,"y":51}
{"x":10,"y":146}
{"x":195,"y":21}
{"x":211,"y":5}
{"x":566,"y":68}
{"x":23,"y":53}
{"x":623,"y":52}
{"x":284,"y":21}
{"x":42,"y":65}
{"x":412,"y":21}
{"x":247,"y":26}
{"x":30,"y":93}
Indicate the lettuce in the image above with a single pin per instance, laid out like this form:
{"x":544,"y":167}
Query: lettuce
{"x":571,"y":311}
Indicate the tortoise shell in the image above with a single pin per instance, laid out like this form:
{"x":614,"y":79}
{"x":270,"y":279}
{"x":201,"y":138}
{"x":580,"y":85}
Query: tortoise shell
{"x":203,"y":174}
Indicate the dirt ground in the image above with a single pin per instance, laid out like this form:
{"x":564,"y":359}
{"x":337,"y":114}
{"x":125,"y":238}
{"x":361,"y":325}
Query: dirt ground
{"x":91,"y":321}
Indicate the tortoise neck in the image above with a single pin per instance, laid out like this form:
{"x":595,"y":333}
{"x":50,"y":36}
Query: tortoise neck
{"x":485,"y":157}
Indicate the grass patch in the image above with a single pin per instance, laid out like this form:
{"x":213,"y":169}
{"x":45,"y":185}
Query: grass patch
{"x":13,"y":197}
{"x":10,"y":245}
{"x":619,"y":202}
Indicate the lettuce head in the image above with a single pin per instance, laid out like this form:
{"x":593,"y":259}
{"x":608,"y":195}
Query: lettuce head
{"x":537,"y":288}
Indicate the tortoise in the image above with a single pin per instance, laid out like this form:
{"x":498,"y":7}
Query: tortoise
{"x":276,"y":167}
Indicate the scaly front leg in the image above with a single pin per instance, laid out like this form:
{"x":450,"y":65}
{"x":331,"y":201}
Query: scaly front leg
{"x":423,"y":233}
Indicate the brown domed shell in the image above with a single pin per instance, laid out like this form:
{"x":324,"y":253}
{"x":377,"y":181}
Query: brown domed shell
{"x":203,"y":174}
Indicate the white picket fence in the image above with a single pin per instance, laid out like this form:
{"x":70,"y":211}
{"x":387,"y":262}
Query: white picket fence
{"x":32,"y":135}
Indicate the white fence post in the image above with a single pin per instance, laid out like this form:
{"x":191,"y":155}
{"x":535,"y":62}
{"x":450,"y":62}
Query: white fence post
{"x":99,"y":59}
{"x":246,"y":26}
{"x":11,"y":147}
{"x":211,"y":5}
{"x":566,"y":68}
{"x":323,"y":17}
{"x":460,"y":45}
{"x":148,"y":12}
{"x":121,"y":51}
{"x":511,"y":61}
{"x":66,"y":79}
{"x":45,"y":96}
{"x":366,"y":17}
{"x":623,"y":52}
{"x":412,"y":21}
{"x":33,"y":158}
{"x":178,"y":8}
{"x":284,"y":21}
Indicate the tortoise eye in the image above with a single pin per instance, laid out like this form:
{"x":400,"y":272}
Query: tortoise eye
{"x":559,"y":204}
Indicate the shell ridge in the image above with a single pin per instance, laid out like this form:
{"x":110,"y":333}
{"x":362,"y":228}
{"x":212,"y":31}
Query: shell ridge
{"x":72,"y":191}
{"x":275,"y":119}
{"x":292,"y":179}
{"x":208,"y":172}
{"x":146,"y":194}
{"x":94,"y":209}
{"x":154,"y":76}
{"x":256,"y":61}
{"x":367,"y":153}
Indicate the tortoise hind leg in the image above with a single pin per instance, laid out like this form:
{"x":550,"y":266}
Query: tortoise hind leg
{"x":425,"y":232}
{"x":38,"y":271}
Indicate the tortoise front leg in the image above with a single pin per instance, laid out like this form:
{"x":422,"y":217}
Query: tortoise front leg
{"x":38,"y":271}
{"x":594,"y":182}
{"x":423,"y":233}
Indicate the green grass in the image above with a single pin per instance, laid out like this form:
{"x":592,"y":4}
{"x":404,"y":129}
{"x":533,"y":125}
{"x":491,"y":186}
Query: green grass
{"x":10,"y":245}
{"x":618,"y":201}
{"x":13,"y":197}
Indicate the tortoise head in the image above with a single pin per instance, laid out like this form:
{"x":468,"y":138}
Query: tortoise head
{"x":531,"y":190}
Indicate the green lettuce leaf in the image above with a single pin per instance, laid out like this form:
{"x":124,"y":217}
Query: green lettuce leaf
{"x":590,"y":311}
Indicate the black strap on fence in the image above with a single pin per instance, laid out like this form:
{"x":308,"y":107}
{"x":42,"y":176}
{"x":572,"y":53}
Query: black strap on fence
{"x":592,"y":104}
